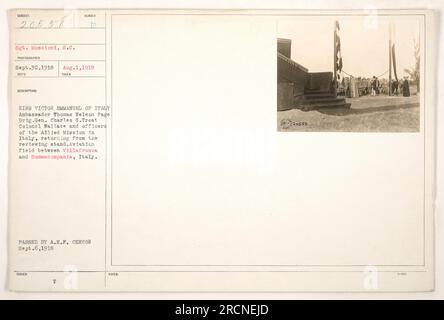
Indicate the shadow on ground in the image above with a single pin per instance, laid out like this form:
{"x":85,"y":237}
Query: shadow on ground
{"x":343,"y":111}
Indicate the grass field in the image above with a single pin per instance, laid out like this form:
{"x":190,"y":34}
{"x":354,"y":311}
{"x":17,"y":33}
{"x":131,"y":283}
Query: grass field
{"x":367,"y":114}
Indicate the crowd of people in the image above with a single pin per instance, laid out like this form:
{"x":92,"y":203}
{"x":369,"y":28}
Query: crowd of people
{"x":374,"y":86}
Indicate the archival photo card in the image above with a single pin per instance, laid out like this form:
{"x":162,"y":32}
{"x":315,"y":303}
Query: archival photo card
{"x":221,"y":151}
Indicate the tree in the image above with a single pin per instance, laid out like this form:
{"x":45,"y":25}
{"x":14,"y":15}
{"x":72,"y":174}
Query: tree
{"x":414,"y":72}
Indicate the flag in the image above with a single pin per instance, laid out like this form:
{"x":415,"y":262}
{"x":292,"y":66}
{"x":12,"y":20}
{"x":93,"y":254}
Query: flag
{"x":338,"y":58}
{"x":394,"y":61}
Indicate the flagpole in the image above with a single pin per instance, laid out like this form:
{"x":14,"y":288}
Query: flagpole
{"x":390,"y":58}
{"x":335,"y":82}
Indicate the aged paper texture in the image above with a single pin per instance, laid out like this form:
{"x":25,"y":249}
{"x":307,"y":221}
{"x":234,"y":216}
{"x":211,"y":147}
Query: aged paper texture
{"x":169,"y":150}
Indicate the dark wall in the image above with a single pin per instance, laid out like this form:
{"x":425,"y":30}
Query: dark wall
{"x":292,"y":79}
{"x":320,"y":81}
{"x":285,"y":96}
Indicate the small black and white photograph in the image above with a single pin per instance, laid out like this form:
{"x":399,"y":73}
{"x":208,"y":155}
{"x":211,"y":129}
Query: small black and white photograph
{"x":349,"y":74}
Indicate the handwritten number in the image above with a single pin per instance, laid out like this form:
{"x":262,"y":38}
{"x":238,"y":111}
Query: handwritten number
{"x":62,"y":21}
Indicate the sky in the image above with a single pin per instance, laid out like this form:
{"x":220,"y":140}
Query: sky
{"x":364,"y":43}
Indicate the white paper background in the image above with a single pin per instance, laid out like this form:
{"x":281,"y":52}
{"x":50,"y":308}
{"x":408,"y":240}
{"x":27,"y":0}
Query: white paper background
{"x":202,"y":159}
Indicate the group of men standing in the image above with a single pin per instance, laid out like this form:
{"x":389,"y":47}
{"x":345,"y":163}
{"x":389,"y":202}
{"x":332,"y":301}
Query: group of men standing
{"x":405,"y":87}
{"x":375,"y":86}
{"x":395,"y":86}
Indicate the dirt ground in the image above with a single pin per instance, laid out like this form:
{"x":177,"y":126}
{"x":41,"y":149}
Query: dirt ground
{"x":366,"y":114}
